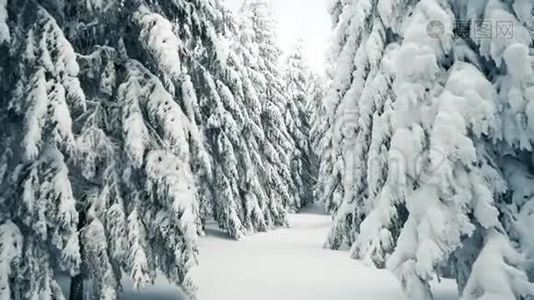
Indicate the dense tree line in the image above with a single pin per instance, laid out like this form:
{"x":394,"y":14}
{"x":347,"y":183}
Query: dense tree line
{"x":125,"y":125}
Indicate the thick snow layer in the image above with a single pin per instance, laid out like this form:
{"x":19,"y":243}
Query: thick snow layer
{"x":285,"y":264}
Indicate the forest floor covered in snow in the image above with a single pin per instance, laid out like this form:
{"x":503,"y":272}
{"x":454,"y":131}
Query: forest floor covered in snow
{"x":285,"y":264}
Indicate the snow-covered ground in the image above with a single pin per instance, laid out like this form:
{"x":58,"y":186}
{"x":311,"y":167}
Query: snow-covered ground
{"x":285,"y":264}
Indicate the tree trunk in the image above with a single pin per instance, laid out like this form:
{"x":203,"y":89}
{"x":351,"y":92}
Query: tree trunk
{"x":76,"y":283}
{"x":76,"y":288}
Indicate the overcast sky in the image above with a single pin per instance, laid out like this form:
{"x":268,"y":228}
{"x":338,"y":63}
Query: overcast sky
{"x":305,"y":19}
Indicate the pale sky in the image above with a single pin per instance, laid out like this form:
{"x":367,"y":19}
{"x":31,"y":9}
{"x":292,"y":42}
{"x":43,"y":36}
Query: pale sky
{"x":301,"y":19}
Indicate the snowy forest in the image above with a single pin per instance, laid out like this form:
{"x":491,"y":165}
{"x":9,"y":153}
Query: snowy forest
{"x":171,"y":149}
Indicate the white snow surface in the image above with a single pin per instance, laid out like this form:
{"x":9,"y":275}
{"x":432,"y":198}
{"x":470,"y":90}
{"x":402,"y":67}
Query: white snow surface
{"x":284,"y":264}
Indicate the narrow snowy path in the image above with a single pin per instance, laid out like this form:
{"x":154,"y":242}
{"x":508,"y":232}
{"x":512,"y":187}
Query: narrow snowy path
{"x":287,"y":264}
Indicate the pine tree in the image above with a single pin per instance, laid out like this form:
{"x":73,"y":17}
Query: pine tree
{"x":299,"y":85}
{"x":136,"y":137}
{"x":329,"y":188}
{"x":507,"y":66}
{"x":145,"y":127}
{"x":240,"y":207}
{"x":434,"y":194}
{"x":37,"y":196}
{"x":422,"y":163}
{"x":241,"y":98}
{"x":356,"y":98}
{"x":318,"y":124}
{"x":268,"y":80}
{"x":124,"y":167}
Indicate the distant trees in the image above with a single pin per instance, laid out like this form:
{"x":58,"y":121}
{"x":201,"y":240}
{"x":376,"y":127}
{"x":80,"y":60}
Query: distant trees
{"x":300,"y":85}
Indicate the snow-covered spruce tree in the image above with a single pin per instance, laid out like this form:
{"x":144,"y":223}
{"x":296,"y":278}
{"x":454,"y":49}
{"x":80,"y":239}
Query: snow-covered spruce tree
{"x":508,"y":66}
{"x":414,"y":157}
{"x":267,"y":79}
{"x":127,"y":158}
{"x":241,"y":204}
{"x":238,"y":184}
{"x":378,"y":169}
{"x":142,"y":125}
{"x":372,"y":116}
{"x":237,"y":75}
{"x":299,"y":84}
{"x":318,"y":122}
{"x":329,"y":189}
{"x":38,"y":218}
{"x":356,"y":98}
{"x":228,"y":172}
{"x":247,"y":84}
{"x":222,"y":135}
{"x":438,"y":186}
{"x":518,"y":219}
{"x":318,"y":125}
{"x":217,"y":111}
